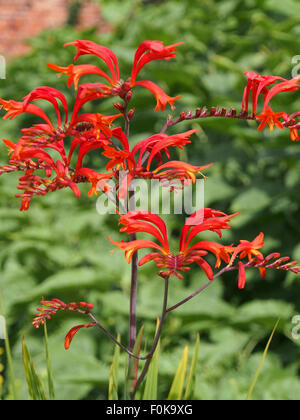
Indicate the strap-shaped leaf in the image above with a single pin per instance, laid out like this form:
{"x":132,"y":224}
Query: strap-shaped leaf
{"x":114,"y":374}
{"x":34,"y":383}
{"x":190,"y":387}
{"x":150,"y":392}
{"x":257,"y":373}
{"x":176,"y":390}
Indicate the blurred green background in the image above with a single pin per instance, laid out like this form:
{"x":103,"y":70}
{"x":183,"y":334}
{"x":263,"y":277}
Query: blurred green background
{"x":59,"y":247}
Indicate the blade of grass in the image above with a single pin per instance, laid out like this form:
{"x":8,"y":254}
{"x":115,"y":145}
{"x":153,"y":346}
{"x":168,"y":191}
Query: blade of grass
{"x":190,"y":387}
{"x":49,"y":368}
{"x":12,"y":384}
{"x":114,"y":374}
{"x":150,"y":392}
{"x":256,"y":376}
{"x":178,"y":382}
{"x":35,"y":386}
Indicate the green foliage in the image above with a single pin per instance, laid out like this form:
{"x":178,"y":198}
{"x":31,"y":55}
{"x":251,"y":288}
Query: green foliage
{"x":59,"y":248}
{"x":114,"y":374}
{"x":150,"y":392}
{"x":257,"y":373}
{"x":35,"y":386}
{"x":176,"y":391}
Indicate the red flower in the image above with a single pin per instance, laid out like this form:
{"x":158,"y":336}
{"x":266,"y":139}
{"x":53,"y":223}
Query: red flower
{"x":257,"y":84}
{"x":202,"y":220}
{"x":153,"y":148}
{"x":146,"y":52}
{"x":271,"y":118}
{"x":149,"y":51}
{"x":89,"y":131}
{"x":73,"y":331}
{"x":248,"y":249}
{"x":294,"y":134}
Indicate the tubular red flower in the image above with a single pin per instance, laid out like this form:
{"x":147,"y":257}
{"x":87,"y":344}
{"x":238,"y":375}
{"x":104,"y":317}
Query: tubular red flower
{"x":180,"y":170}
{"x":159,"y":143}
{"x":149,"y":51}
{"x":76,"y":72}
{"x":258,"y":85}
{"x":51,"y":95}
{"x":242,"y":275}
{"x":162,"y":99}
{"x":73,"y":331}
{"x":88,"y":47}
{"x":15,"y":109}
{"x":271,"y":118}
{"x":249,"y":249}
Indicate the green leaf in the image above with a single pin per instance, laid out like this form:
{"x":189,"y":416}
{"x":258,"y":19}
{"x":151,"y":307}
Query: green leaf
{"x":34,"y":384}
{"x":49,"y":368}
{"x":262,"y":362}
{"x":190,"y":387}
{"x":114,"y":374}
{"x":178,"y":382}
{"x":13,"y":387}
{"x":150,"y":392}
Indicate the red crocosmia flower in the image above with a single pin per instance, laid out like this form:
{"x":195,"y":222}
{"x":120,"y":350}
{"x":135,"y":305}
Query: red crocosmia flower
{"x":153,"y":146}
{"x":202,"y":220}
{"x":249,"y":249}
{"x":242,"y":275}
{"x":271,"y":118}
{"x":76,"y":72}
{"x":89,"y":131}
{"x":86,"y":47}
{"x":51,"y":95}
{"x":146,"y":52}
{"x":149,"y":51}
{"x":100,"y":122}
{"x":294,"y":134}
{"x":73,"y":331}
{"x":177,"y":170}
{"x":138,"y":161}
{"x":162,"y":99}
{"x":257,"y":84}
{"x":15,"y":108}
{"x":285,"y":86}
{"x":97,"y":180}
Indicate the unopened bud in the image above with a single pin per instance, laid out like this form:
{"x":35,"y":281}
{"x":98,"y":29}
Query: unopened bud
{"x":119,"y":107}
{"x":129,"y":96}
{"x":131,"y":114}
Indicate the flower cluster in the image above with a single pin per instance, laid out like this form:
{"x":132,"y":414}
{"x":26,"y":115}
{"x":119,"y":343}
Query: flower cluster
{"x":269,"y":87}
{"x":51,"y":307}
{"x":92,"y":131}
{"x":72,"y":135}
{"x":203,"y":220}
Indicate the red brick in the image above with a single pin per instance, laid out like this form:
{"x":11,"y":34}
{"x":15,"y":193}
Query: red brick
{"x":22,"y":19}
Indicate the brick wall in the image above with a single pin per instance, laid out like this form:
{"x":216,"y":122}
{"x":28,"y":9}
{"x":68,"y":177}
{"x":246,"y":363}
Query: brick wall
{"x":21,"y":19}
